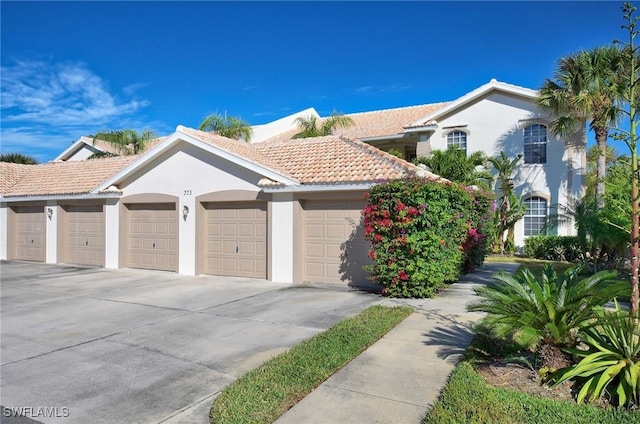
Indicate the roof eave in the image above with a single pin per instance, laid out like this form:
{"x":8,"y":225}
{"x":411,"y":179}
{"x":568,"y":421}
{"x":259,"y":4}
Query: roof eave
{"x":79,"y":196}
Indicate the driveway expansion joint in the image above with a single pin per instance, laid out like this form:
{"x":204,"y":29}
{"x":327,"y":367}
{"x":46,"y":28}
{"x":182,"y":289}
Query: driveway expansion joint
{"x":375,"y":396}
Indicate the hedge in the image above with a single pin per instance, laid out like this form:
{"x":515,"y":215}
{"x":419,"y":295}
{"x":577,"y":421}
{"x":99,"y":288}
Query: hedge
{"x":553,"y":248}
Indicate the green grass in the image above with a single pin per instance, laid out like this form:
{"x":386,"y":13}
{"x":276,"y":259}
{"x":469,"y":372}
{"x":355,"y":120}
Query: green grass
{"x":266,"y":392}
{"x":467,"y":398}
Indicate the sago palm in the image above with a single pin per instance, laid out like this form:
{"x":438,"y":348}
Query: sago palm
{"x":227,"y":126}
{"x":545,"y":314}
{"x":586,"y":86}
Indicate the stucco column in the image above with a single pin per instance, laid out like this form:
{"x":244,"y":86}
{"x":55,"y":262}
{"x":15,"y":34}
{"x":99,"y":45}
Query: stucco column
{"x":281,"y":237}
{"x":51,"y":231}
{"x":112,"y":233}
{"x":187,"y":236}
{"x":4,"y":231}
{"x":423,"y":147}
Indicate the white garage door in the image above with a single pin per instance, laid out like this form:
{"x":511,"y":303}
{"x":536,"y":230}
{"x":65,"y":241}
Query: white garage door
{"x":334,"y":247}
{"x":236,"y":243}
{"x":153,"y":236}
{"x":84,"y":235}
{"x":29,"y":230}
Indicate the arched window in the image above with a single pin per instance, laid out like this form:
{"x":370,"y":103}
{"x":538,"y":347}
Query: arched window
{"x":535,"y":144}
{"x":457,"y":139}
{"x":535,"y":217}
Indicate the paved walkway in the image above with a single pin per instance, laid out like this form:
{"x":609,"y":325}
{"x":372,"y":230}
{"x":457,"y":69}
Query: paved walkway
{"x":398,"y":379}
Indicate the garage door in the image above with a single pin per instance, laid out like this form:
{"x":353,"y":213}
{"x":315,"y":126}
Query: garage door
{"x":153,"y":236}
{"x":236,"y":243}
{"x":334,"y":247}
{"x":84,"y":235}
{"x":30,"y":233}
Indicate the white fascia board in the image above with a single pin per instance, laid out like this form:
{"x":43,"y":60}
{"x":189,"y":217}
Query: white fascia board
{"x":420,"y":128}
{"x":84,"y":196}
{"x":75,"y":146}
{"x":174,"y":139}
{"x":492,"y":85}
{"x":383,"y":137}
{"x":319,"y":188}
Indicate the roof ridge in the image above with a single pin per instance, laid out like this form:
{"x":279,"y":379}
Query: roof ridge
{"x":393,"y":109}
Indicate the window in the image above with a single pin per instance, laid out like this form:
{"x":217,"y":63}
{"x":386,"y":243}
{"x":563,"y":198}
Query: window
{"x":535,"y":144}
{"x":457,"y":139}
{"x":535,"y":217}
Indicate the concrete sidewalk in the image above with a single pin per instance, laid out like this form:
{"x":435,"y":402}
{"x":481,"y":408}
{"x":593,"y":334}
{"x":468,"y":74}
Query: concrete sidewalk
{"x":398,"y":379}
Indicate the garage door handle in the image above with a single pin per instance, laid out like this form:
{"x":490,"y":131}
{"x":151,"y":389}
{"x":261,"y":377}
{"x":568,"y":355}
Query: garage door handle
{"x":237,"y":249}
{"x":86,"y":243}
{"x":154,"y":244}
{"x":32,"y":241}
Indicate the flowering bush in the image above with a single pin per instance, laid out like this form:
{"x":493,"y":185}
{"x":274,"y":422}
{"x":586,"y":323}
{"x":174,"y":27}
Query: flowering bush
{"x":424,"y":233}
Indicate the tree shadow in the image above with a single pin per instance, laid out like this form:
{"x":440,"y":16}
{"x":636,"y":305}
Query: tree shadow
{"x":354,"y":256}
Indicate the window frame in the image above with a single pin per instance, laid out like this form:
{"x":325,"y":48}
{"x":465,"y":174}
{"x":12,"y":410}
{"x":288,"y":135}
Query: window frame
{"x":540,"y":219}
{"x":533,"y":147}
{"x":454,"y":138}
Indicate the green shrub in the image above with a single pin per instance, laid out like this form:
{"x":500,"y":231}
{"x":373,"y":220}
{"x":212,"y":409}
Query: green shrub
{"x":424,"y":233}
{"x":611,"y":364}
{"x":545,"y":313}
{"x":554,"y":248}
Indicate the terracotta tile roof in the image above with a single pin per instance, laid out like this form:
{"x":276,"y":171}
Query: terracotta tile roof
{"x":108,"y":147}
{"x":377,"y":123}
{"x":11,"y":173}
{"x":333,"y":159}
{"x":75,"y":177}
{"x":237,"y":148}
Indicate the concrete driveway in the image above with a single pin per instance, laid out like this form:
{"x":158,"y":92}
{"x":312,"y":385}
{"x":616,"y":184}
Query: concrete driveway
{"x":131,"y":346}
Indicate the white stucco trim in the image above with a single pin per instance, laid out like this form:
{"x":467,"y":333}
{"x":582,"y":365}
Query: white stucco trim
{"x":479,"y":92}
{"x":84,"y":196}
{"x":112,"y":234}
{"x":282,"y":237}
{"x":178,"y":137}
{"x":4,"y":234}
{"x":187,"y":236}
{"x":319,"y":188}
{"x":51,"y":230}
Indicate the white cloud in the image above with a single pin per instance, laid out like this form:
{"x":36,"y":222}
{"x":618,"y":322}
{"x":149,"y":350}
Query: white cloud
{"x":59,"y":94}
{"x":380,"y":90}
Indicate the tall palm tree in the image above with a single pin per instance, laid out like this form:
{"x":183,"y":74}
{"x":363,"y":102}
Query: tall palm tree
{"x":309,"y":127}
{"x":509,"y":209}
{"x":586,"y":86}
{"x":18,"y":158}
{"x":227,"y":126}
{"x":127,"y":141}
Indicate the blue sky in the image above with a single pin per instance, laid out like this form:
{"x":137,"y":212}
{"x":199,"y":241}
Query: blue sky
{"x":74,"y":68}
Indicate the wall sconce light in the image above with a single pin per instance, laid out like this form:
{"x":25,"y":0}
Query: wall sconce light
{"x":185,"y":212}
{"x":49,"y":213}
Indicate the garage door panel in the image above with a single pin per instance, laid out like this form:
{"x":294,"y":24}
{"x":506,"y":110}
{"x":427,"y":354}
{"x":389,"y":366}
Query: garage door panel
{"x":334,"y":248}
{"x":29,"y":227}
{"x":153,"y":240}
{"x":84,"y":235}
{"x":236,"y":240}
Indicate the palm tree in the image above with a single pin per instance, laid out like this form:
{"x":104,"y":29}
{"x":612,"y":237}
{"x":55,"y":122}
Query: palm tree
{"x":454,"y":165}
{"x":127,"y":141}
{"x":509,"y":209}
{"x":18,"y":158}
{"x":309,"y":127}
{"x":227,"y":126}
{"x":586,"y":87}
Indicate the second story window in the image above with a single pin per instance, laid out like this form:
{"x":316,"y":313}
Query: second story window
{"x":535,"y":144}
{"x":457,"y":139}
